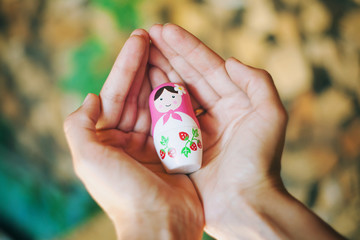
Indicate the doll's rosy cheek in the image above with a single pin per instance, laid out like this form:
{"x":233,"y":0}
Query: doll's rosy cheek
{"x":175,"y":102}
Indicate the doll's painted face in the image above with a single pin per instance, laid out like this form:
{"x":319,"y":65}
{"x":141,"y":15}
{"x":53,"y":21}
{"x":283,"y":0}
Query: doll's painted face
{"x":167,"y":100}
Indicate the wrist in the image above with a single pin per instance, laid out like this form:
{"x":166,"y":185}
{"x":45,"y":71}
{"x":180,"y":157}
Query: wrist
{"x":294,"y":220}
{"x":269,"y":210}
{"x":162,"y":224}
{"x":245,"y":214}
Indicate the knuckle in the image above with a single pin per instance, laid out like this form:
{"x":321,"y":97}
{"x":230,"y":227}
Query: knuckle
{"x":113,"y":96}
{"x":73,"y":121}
{"x":282,"y":115}
{"x":68,"y":123}
{"x":263,"y":74}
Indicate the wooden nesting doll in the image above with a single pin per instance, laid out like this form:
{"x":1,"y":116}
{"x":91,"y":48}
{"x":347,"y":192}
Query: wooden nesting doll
{"x":175,"y":129}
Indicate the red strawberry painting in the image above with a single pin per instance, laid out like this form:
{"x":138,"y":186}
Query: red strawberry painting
{"x":199,"y":144}
{"x":193,"y":142}
{"x":162,"y":154}
{"x":193,"y":146}
{"x":172,"y":152}
{"x":183,"y":136}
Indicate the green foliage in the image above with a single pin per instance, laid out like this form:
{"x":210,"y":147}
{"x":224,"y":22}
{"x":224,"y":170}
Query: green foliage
{"x":91,"y":62}
{"x":33,"y":202}
{"x":124,"y":12}
{"x":39,"y":207}
{"x":90,"y":68}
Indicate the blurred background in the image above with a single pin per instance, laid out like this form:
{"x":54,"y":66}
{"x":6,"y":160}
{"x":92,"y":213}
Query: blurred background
{"x":52,"y":53}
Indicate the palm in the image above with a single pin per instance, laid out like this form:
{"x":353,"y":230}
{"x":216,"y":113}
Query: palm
{"x":238,"y":119}
{"x":235,"y":148}
{"x":139,"y":147}
{"x":130,"y":170}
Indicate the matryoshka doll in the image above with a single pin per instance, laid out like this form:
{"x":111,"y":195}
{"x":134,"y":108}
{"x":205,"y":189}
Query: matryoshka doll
{"x":175,"y":129}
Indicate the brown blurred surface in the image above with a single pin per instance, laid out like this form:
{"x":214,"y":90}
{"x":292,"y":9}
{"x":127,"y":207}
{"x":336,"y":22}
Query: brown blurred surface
{"x":310,"y":47}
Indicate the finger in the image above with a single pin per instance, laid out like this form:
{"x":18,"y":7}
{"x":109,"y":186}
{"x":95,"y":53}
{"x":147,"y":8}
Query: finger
{"x":119,"y":81}
{"x":100,"y":167}
{"x":210,"y":65}
{"x":80,"y":129}
{"x":195,"y":82}
{"x":143,"y":121}
{"x":137,"y":145}
{"x":157,"y":168}
{"x":157,"y":77}
{"x":157,"y":59}
{"x":130,"y":112}
{"x":257,"y":84}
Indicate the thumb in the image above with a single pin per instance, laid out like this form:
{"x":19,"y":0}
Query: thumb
{"x":79,"y":127}
{"x":256,"y":83}
{"x":259,"y":86}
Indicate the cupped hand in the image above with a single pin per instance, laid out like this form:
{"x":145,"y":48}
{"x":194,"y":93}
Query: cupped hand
{"x":243,"y":127}
{"x":114,"y":156}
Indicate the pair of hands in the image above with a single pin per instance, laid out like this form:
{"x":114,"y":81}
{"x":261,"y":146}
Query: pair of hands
{"x":243,"y":135}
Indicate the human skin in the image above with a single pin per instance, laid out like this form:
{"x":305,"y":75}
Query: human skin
{"x":237,"y":194}
{"x":114,"y":156}
{"x":243,"y":129}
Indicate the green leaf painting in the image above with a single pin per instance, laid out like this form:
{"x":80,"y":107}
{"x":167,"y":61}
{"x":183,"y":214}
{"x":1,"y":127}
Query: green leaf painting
{"x":186,"y":151}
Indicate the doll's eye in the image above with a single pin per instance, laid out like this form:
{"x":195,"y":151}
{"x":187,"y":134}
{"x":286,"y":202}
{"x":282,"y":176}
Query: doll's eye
{"x":173,"y":96}
{"x":161,"y":99}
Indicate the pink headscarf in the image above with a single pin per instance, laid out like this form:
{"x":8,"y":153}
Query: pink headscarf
{"x":185,"y":106}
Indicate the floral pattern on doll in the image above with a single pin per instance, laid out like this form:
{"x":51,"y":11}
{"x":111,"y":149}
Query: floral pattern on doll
{"x":191,"y":144}
{"x":180,"y":89}
{"x":166,"y":149}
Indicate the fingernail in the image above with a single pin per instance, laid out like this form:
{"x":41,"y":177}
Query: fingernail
{"x":137,"y":32}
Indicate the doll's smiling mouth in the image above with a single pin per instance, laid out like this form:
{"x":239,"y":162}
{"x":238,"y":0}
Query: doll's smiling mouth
{"x":168,"y":105}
